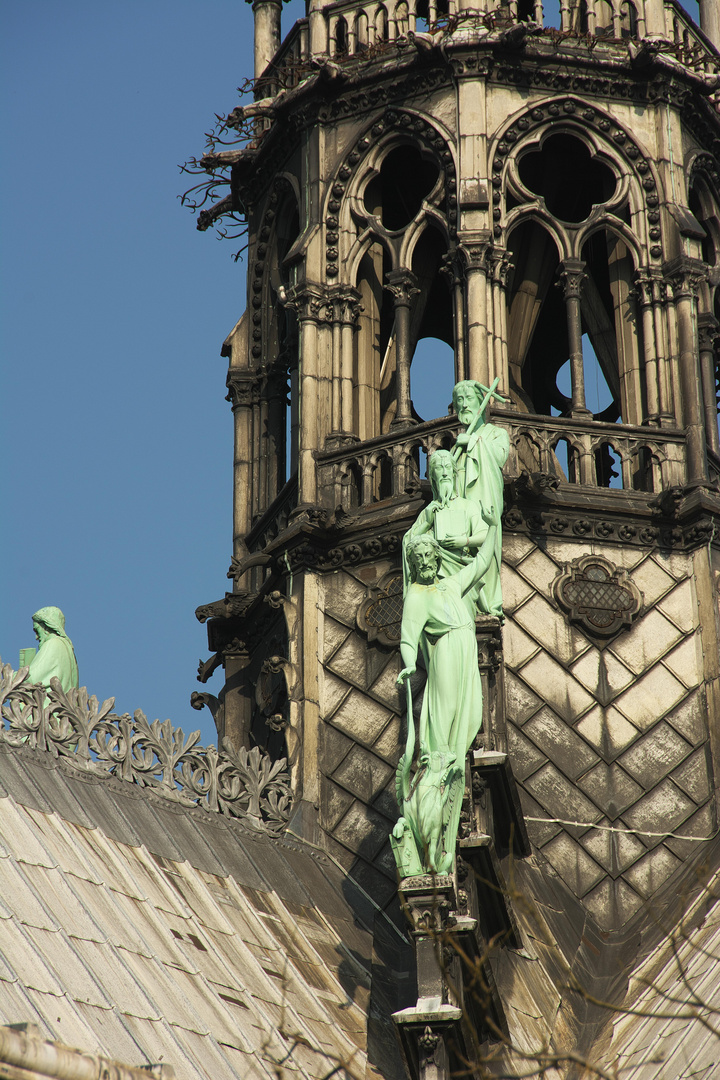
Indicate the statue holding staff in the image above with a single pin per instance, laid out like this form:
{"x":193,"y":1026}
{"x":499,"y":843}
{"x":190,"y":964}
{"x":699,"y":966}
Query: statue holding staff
{"x":439,"y":620}
{"x":480,"y":453}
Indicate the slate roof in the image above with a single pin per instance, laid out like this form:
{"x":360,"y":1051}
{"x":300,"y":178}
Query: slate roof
{"x":150,"y":933}
{"x":670,"y":1024}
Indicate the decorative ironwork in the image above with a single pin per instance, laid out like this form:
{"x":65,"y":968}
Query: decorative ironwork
{"x":598,"y":595}
{"x":381,"y":615}
{"x":72,"y":725}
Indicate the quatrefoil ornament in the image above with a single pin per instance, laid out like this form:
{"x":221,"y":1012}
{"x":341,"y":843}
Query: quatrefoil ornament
{"x":598,"y":596}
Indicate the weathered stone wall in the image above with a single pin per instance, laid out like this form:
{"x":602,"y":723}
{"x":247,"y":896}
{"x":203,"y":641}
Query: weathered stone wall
{"x":615,"y":736}
{"x":360,"y":737}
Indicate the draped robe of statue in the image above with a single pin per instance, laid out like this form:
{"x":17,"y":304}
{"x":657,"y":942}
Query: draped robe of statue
{"x":479,"y":478}
{"x":56,"y":656}
{"x":439,"y":620}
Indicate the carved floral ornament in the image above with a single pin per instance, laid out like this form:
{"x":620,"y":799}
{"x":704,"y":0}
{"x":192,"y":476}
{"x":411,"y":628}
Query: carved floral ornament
{"x":72,"y":725}
{"x":598,"y":596}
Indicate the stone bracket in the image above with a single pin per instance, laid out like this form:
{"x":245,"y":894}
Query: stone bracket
{"x":496,"y":802}
{"x":494,"y":906}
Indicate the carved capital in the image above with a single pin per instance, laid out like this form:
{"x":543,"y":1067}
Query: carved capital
{"x":310,"y":305}
{"x":685,"y":276}
{"x":708,"y":333}
{"x":346,"y":307}
{"x":500,"y":265}
{"x":243,"y":388}
{"x":572,"y":277}
{"x":403,"y":285}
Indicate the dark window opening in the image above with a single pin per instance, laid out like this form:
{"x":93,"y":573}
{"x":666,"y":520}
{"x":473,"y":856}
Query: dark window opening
{"x":526,"y":11}
{"x":341,"y":36}
{"x":406,"y":178}
{"x":608,"y":466}
{"x":569,"y":179}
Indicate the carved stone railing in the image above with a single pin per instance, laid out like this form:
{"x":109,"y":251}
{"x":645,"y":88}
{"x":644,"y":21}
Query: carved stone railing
{"x":275,"y":518}
{"x":645,"y":459}
{"x":73,"y":726}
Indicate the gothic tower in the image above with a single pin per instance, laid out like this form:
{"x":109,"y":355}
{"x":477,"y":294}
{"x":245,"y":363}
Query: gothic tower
{"x":541,"y":200}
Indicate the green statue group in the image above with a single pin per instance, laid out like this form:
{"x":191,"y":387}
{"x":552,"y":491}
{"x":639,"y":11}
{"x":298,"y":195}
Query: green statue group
{"x":451,"y":565}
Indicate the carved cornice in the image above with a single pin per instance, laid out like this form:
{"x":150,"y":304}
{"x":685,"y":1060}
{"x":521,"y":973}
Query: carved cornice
{"x":652,"y":524}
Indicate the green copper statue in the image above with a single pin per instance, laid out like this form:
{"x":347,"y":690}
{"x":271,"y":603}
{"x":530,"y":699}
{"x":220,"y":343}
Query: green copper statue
{"x":480,"y":453}
{"x":56,"y":655}
{"x":454,"y":522}
{"x":439,"y":619}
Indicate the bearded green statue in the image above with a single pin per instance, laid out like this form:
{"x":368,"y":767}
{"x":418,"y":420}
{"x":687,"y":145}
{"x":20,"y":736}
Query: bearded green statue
{"x":438,"y":620}
{"x":55,"y":656}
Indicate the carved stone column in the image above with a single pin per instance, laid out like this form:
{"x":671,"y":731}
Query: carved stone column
{"x":709,"y":339}
{"x":267,"y":15}
{"x":313,"y":310}
{"x":572,"y":275}
{"x":475,"y":254}
{"x":403,"y":286}
{"x":501,"y":265}
{"x":346,"y":308}
{"x":685,"y":276}
{"x":453,"y":266}
{"x":645,"y":299}
{"x":243,"y":393}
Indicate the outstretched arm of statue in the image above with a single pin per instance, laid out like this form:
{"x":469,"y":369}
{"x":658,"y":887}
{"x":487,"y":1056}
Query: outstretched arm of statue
{"x":475,"y":571}
{"x":409,"y":659}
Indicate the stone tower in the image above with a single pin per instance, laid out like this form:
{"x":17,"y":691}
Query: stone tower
{"x":529,"y":196}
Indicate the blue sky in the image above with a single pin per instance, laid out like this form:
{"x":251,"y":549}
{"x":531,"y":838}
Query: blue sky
{"x":116,"y":443}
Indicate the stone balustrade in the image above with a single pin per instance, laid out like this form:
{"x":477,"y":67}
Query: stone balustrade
{"x":586,"y":452}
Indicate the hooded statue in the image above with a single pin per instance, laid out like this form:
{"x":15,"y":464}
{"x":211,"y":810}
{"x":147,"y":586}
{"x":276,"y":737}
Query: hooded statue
{"x":56,"y":656}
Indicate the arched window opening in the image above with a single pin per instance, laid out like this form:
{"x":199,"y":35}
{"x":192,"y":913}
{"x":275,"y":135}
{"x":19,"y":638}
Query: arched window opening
{"x":341,"y":36}
{"x":608,"y":466}
{"x":643,"y":477}
{"x":537,"y":327}
{"x":422,"y":16}
{"x":583,"y":24}
{"x":402,"y":19}
{"x":431,"y":321}
{"x":385,"y":477}
{"x":282,"y":343}
{"x":433,"y":376}
{"x":361,"y":32}
{"x":526,"y":11}
{"x":406,"y":178}
{"x":381,"y":24}
{"x":375,"y":389}
{"x":612,"y":328}
{"x":599,"y":398}
{"x":629,"y":23}
{"x":565,"y":461}
{"x":567,"y":176}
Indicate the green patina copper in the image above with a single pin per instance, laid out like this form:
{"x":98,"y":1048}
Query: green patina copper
{"x":451,"y":567}
{"x":439,"y":620}
{"x":56,"y":656}
{"x":480,"y":453}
